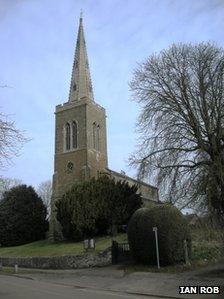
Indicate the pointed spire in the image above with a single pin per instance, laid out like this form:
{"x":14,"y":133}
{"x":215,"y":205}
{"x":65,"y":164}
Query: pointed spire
{"x":81,"y":85}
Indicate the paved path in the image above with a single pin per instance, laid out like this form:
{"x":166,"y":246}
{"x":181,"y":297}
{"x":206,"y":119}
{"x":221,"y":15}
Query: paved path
{"x":12,"y":287}
{"x":114,"y":282}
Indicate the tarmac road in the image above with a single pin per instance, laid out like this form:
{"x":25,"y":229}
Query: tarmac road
{"x":12,"y":287}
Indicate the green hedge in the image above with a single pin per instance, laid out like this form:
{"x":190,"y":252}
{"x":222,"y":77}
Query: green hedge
{"x":172,"y":231}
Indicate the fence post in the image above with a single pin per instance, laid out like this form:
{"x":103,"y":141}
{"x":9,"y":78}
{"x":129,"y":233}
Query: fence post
{"x":114,"y":252}
{"x":16,"y":268}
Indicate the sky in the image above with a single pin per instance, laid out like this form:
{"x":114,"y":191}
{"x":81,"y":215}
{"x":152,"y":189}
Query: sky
{"x":37,"y":44}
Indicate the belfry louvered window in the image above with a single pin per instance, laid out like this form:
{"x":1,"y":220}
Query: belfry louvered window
{"x":74,"y":134}
{"x":67,"y":136}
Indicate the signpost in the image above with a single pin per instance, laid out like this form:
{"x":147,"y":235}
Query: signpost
{"x":157,"y":246}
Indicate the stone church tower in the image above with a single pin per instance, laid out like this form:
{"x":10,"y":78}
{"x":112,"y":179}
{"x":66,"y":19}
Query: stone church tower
{"x":81,"y":140}
{"x":80,"y":130}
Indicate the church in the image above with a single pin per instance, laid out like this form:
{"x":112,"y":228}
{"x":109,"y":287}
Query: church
{"x":80,"y":135}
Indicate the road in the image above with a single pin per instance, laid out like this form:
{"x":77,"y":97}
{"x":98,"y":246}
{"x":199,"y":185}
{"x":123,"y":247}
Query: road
{"x":12,"y":287}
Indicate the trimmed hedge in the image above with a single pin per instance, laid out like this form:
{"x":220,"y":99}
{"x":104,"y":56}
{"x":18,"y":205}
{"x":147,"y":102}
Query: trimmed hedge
{"x":172,"y":231}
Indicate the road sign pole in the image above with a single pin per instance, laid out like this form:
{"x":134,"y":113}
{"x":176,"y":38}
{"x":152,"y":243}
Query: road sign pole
{"x":157,"y":246}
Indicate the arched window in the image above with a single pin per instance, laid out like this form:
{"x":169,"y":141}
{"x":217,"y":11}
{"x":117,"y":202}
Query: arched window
{"x":94,"y":135}
{"x":67,"y":136}
{"x":74,"y":135}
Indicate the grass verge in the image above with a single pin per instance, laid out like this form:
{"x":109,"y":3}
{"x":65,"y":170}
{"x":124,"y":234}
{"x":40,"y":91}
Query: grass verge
{"x":46,"y":248}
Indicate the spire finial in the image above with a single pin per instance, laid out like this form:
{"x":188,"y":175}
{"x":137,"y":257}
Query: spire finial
{"x":81,"y":14}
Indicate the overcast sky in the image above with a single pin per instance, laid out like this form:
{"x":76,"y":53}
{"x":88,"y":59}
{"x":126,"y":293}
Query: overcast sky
{"x":37,"y":43}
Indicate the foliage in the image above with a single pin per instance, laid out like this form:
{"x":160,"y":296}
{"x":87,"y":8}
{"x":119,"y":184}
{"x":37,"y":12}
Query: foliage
{"x":11,"y":140}
{"x":207,"y":231}
{"x":22,"y":216}
{"x":181,"y":91}
{"x":44,"y":190}
{"x":172,"y":231}
{"x":150,"y":204}
{"x":6,"y":184}
{"x":206,"y":251}
{"x":92,"y":207}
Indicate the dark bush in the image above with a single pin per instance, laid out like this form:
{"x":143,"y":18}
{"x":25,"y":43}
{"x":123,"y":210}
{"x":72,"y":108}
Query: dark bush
{"x":22,"y":216}
{"x":172,"y":231}
{"x":93,"y":207}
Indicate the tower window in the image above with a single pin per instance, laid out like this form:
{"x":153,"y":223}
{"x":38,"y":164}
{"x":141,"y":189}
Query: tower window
{"x":74,"y":87}
{"x":70,"y":167}
{"x":74,"y":134}
{"x":67,"y":136}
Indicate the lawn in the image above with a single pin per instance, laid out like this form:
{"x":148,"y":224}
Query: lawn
{"x":46,"y":248}
{"x":204,"y":250}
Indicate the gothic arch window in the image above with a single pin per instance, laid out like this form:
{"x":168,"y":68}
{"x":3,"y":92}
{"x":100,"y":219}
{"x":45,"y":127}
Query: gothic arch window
{"x":67,"y":136}
{"x":74,"y":134}
{"x":94,"y":135}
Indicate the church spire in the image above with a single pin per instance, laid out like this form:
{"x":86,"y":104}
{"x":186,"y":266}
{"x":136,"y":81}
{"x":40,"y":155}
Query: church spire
{"x":81,"y":85}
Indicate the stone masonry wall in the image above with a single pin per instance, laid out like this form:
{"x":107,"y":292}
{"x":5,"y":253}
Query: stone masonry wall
{"x":87,"y":260}
{"x":148,"y":192}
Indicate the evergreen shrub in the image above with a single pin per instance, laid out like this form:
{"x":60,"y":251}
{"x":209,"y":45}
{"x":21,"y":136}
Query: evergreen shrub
{"x":22,"y":216}
{"x":91,"y":208}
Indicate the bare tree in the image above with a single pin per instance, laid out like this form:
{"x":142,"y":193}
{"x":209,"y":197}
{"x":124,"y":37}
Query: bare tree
{"x":7,"y":183}
{"x":44,"y":190}
{"x":181,"y":125}
{"x":11,"y":140}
